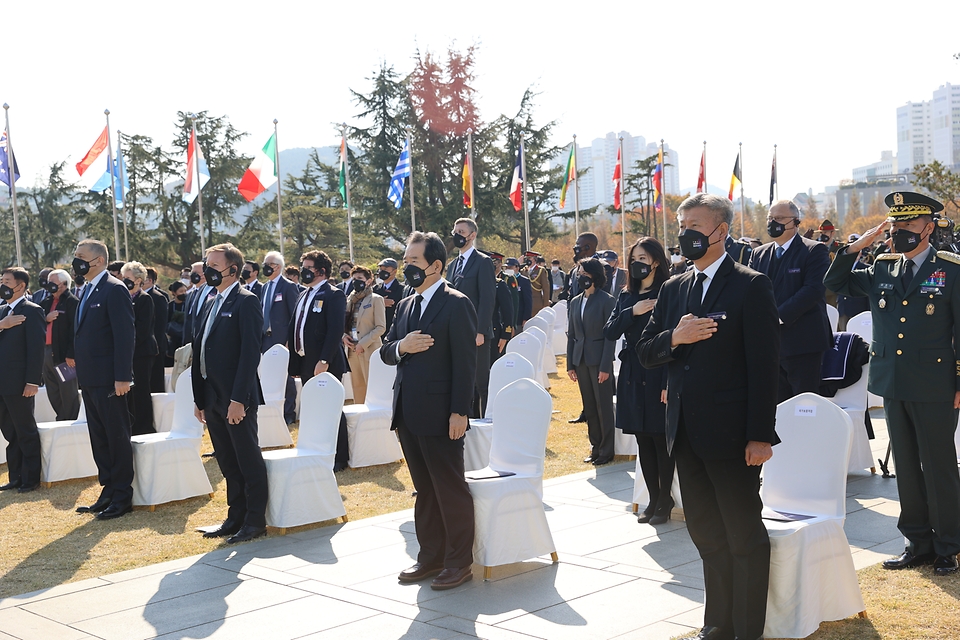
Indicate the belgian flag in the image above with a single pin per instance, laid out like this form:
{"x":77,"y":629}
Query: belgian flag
{"x":735,"y":179}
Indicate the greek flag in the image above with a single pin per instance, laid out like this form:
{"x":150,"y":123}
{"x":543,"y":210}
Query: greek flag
{"x":395,"y":195}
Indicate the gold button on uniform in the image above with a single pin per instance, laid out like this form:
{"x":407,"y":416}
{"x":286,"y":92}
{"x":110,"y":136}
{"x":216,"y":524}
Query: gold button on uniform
{"x":900,"y":335}
{"x":904,"y":303}
{"x":903,"y":319}
{"x":939,"y":360}
{"x":899,"y":353}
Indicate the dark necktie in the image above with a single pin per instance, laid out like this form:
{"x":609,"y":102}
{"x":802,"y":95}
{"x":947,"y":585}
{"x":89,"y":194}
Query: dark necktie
{"x":695,"y":304}
{"x":297,"y":344}
{"x":414,"y":322}
{"x":458,"y":267}
{"x":908,"y":274}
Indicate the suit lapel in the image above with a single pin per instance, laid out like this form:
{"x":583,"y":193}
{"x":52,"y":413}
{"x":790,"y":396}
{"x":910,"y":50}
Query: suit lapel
{"x":91,"y":299}
{"x":226,"y":307}
{"x":690,"y":276}
{"x":436,"y":303}
{"x":717,"y":283}
{"x":923,"y":271}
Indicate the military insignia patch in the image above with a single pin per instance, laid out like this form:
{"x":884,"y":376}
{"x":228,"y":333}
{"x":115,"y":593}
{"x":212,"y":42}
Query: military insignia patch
{"x":930,"y":309}
{"x":883,"y":303}
{"x":898,"y":198}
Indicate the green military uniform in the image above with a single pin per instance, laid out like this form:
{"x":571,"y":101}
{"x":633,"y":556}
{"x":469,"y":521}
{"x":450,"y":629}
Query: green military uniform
{"x":915,"y":369}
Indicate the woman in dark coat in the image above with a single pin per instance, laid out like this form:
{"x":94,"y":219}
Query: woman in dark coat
{"x":641,"y":393}
{"x":175,"y":315}
{"x":139,"y":400}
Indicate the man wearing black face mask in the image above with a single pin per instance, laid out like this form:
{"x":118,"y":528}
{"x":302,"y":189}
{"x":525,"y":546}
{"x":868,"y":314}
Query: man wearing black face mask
{"x":41,"y":293}
{"x":389,"y":289}
{"x":914,"y":366}
{"x":585,"y":247}
{"x":345,"y":268}
{"x":278,"y":299}
{"x":161,"y":315}
{"x":197,"y":297}
{"x":708,"y":326}
{"x":796,"y":267}
{"x":250,"y":277}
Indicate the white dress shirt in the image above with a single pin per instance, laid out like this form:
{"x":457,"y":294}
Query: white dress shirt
{"x":304,"y":307}
{"x":711,"y":272}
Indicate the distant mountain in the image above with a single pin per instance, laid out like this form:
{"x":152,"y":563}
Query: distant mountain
{"x":294,"y":161}
{"x":717,"y":191}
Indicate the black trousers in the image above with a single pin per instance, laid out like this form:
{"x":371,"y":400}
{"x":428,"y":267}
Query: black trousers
{"x":64,"y":396}
{"x":241,"y":463}
{"x":597,"y":409}
{"x":108,"y":422}
{"x":657,"y":466}
{"x":443,"y":513}
{"x":799,"y":374}
{"x":157,"y":377}
{"x":19,"y":428}
{"x":928,"y":482}
{"x":721,"y":502}
{"x":343,"y":445}
{"x":139,"y":401}
{"x":482,"y":379}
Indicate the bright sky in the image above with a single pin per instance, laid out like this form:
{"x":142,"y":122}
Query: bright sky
{"x":820,"y":79}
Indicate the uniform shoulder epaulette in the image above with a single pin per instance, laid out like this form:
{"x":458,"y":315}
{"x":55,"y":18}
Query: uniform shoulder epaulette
{"x":889,"y":256}
{"x":949,"y":256}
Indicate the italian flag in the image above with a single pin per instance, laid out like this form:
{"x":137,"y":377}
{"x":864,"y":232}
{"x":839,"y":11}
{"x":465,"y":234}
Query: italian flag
{"x":343,"y":172}
{"x":262,"y":173}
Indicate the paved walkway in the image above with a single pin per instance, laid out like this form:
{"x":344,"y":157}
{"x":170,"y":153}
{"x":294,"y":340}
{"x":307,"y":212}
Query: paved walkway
{"x":615,"y":579}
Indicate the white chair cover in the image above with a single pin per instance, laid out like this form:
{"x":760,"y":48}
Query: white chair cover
{"x":542,"y":376}
{"x":862,"y":325}
{"x":559,"y":337}
{"x":42,"y":409}
{"x":347,"y":383}
{"x":641,"y":497}
{"x":476,"y":447}
{"x":368,"y":425}
{"x":167,"y":465}
{"x":511,"y":525}
{"x":301,"y":485}
{"x":528,"y":346}
{"x":65,"y":451}
{"x":812,"y":577}
{"x":616,"y":352}
{"x":163,"y":404}
{"x":3,"y":449}
{"x":624,"y":444}
{"x":833,"y":315}
{"x":271,"y":427}
{"x":549,"y":360}
{"x":168,"y":379}
{"x":853,"y":400}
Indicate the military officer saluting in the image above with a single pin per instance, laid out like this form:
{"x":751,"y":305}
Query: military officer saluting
{"x":914,"y":297}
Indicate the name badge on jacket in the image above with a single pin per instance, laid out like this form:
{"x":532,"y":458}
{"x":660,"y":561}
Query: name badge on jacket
{"x":794,"y":270}
{"x":278,"y":297}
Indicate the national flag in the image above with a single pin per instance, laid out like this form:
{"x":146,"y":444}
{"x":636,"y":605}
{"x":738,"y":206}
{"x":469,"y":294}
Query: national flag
{"x":191,"y":186}
{"x":467,"y":183}
{"x":94,"y":152}
{"x":395,"y":194}
{"x":262,"y":173}
{"x":773,"y":176}
{"x":702,"y":178}
{"x":517,"y":183}
{"x":5,"y":163}
{"x":618,"y":182}
{"x":658,"y":183}
{"x":735,"y":179}
{"x":120,"y":180}
{"x":343,"y":171}
{"x":571,"y":175}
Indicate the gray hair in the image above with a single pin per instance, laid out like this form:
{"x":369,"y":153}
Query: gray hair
{"x":135,"y":269}
{"x":62,"y":276}
{"x":790,"y":204}
{"x":276,"y":256}
{"x":721,"y":207}
{"x":96,"y":247}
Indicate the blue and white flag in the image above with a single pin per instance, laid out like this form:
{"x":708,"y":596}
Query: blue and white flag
{"x":120,"y":178}
{"x":5,"y":164}
{"x":395,"y":195}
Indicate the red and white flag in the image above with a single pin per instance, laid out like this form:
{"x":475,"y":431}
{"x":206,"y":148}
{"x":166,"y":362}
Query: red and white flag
{"x":516,"y":185}
{"x":617,"y":181}
{"x":93,"y":153}
{"x":702,"y":178}
{"x":191,"y":184}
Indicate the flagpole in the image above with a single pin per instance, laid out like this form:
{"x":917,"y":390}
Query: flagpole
{"x":346,"y":178}
{"x":196,"y":164}
{"x":623,"y":216}
{"x":413,"y":214}
{"x":113,"y":188}
{"x":740,"y":155}
{"x":523,"y":173}
{"x":276,"y":164}
{"x":776,"y":185}
{"x":12,"y":168}
{"x":473,"y":202}
{"x":663,"y":192}
{"x":705,"y":189}
{"x":123,"y":199}
{"x":576,"y":190}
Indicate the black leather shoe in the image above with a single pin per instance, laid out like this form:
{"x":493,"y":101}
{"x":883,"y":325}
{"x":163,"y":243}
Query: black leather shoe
{"x":578,"y":419}
{"x":450,"y":578}
{"x":942,"y":566}
{"x":710,"y":633}
{"x":419,"y":571}
{"x":98,"y":506}
{"x":644,"y":516}
{"x":588,"y":459}
{"x":226,"y":529}
{"x":9,"y":486}
{"x":246,"y":533}
{"x":28,"y":488}
{"x":908,"y":559}
{"x":114,"y":511}
{"x":602,"y":461}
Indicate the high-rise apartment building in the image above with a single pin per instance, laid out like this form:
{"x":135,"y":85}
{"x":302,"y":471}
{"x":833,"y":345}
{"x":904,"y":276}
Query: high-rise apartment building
{"x":930,"y":130}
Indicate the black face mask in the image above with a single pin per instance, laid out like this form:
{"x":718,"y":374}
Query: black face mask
{"x":344,"y":275}
{"x":383,"y":275}
{"x":267,"y":270}
{"x":905,"y":241}
{"x":130,"y":284}
{"x":640,"y":270}
{"x":195,"y":278}
{"x":459,"y":241}
{"x":245,"y":275}
{"x":180,"y":297}
{"x":693,"y":244}
{"x":414,"y":275}
{"x":6,"y":292}
{"x":585,"y":282}
{"x":80,"y":267}
{"x":307,"y":276}
{"x":51,"y":287}
{"x":775,"y":229}
{"x":213,"y":277}
{"x":359,"y":286}
{"x":823,"y":237}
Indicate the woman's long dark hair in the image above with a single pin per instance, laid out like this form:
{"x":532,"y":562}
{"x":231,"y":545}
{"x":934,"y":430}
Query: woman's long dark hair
{"x":655,"y":250}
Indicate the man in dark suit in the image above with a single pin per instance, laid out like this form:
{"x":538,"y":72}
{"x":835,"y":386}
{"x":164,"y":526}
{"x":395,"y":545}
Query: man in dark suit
{"x":161,"y":311}
{"x":346,"y":282}
{"x":249,"y":277}
{"x":278,"y":299}
{"x":227,"y":394}
{"x":316,"y":331}
{"x":796,"y":267}
{"x":103,"y":343}
{"x":585,"y":247}
{"x":60,"y":310}
{"x":433,"y":345}
{"x":196,"y":298}
{"x":41,"y":293}
{"x":616,"y":277}
{"x":21,"y":352}
{"x":503,"y":313}
{"x":708,"y":327}
{"x":472,"y":274}
{"x":390,"y":289}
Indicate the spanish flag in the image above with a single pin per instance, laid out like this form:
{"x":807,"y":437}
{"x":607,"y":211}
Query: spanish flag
{"x":467,"y":183}
{"x":735,"y":179}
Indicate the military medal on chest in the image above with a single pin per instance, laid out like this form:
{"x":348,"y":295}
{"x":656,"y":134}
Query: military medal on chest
{"x":930,"y":309}
{"x":883,"y":303}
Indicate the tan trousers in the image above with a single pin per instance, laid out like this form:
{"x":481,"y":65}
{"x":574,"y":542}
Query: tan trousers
{"x":359,"y":371}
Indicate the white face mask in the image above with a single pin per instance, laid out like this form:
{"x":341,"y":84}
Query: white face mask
{"x":675,"y":259}
{"x":510,"y":272}
{"x":554,"y":269}
{"x":185,"y":281}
